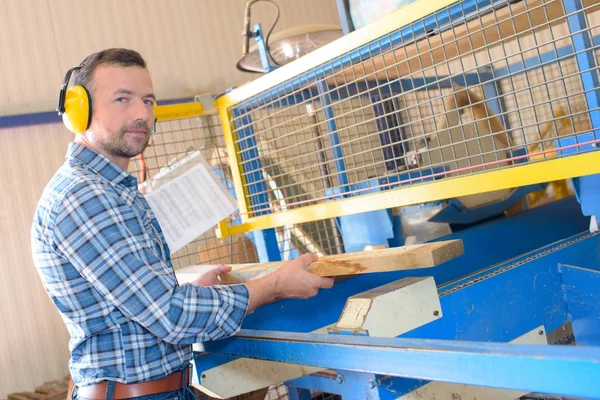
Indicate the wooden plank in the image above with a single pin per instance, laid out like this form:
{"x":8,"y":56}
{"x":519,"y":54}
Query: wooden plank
{"x":396,"y":259}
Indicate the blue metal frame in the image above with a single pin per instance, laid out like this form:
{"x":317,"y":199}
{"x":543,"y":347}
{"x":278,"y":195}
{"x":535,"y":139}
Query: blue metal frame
{"x":586,"y":62}
{"x":334,"y":138}
{"x":265,"y":241}
{"x":562,"y":370}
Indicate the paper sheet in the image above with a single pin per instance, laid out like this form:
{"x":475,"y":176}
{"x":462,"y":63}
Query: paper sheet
{"x":188,"y":200}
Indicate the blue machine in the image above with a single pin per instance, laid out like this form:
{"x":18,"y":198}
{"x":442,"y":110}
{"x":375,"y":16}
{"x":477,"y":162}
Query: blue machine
{"x":551,"y":286}
{"x":531,"y":279}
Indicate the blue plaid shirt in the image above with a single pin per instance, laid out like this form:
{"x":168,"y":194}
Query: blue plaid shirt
{"x":106,"y":266}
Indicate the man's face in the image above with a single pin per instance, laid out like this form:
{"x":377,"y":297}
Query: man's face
{"x":122,"y":113}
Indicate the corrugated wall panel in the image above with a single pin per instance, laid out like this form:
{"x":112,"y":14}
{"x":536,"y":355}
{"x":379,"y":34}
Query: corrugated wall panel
{"x":33,"y":339}
{"x":191,"y":46}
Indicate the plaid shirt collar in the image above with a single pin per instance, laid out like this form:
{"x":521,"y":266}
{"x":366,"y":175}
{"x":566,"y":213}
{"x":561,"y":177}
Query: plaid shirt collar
{"x":101,"y":165}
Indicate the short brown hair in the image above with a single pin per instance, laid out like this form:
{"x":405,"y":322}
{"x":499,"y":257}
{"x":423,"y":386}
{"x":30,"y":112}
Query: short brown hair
{"x":115,"y":56}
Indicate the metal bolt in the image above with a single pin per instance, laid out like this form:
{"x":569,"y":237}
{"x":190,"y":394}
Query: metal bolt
{"x":541,"y":332}
{"x":372,"y":384}
{"x":339,"y":379}
{"x":203,"y":376}
{"x":436,"y":313}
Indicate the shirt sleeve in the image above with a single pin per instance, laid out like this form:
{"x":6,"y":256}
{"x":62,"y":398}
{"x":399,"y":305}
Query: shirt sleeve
{"x":105,"y":241}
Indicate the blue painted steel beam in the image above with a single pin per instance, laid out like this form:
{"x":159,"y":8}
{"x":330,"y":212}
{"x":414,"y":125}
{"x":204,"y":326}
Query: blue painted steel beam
{"x":334,"y":138}
{"x":535,"y":62}
{"x":492,"y":90}
{"x":560,"y":370}
{"x":267,"y":246}
{"x":266,"y":243}
{"x":580,"y":287}
{"x":586,"y":61}
{"x":378,"y":87}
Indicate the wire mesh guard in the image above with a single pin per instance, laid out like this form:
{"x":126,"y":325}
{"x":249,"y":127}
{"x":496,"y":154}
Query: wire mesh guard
{"x":177,"y":139}
{"x":477,"y":86}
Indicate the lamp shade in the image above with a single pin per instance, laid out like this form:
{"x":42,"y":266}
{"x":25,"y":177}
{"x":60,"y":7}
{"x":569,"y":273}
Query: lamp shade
{"x":291,"y":44}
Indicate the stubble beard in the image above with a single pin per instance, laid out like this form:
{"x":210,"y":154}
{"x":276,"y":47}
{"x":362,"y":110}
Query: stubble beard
{"x":118,"y":146}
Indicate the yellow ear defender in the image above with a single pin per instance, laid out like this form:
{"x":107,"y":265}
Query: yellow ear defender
{"x":75,"y":105}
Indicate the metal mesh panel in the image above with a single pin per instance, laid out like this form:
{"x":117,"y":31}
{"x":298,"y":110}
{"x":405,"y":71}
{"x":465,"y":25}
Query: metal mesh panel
{"x":173,"y":141}
{"x":466,"y":90}
{"x":176,"y":139}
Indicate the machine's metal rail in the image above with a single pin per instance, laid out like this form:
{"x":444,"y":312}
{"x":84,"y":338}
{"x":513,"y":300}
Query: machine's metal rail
{"x":520,"y":262}
{"x":564,"y":370}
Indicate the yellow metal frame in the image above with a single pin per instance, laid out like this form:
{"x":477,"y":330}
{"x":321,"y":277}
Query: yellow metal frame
{"x":234,"y":163}
{"x":178,"y":111}
{"x":538,"y":172}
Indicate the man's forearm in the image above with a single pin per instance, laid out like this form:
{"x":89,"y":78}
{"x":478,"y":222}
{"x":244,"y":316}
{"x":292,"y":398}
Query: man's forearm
{"x":262,"y":291}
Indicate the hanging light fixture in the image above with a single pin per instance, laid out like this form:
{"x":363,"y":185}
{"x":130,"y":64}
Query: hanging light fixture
{"x":283,"y":47}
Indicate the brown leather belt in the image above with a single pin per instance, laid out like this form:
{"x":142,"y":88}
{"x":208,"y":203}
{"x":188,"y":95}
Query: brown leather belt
{"x":169,"y":383}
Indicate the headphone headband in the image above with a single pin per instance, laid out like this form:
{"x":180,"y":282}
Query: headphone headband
{"x":63,"y":90}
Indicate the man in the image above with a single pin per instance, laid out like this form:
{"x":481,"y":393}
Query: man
{"x":104,"y":261}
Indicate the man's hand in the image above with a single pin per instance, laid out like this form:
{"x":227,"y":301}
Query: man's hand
{"x":211,"y":278}
{"x":291,"y":280}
